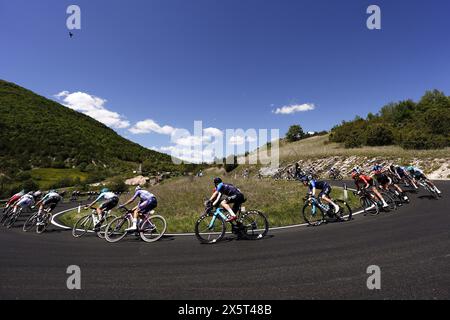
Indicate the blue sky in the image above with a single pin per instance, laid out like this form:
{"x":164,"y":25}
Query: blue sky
{"x":229,"y":63}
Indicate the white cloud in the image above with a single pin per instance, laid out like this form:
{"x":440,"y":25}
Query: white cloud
{"x":93,"y":107}
{"x":295,"y":108}
{"x":148,"y":126}
{"x":212,"y":132}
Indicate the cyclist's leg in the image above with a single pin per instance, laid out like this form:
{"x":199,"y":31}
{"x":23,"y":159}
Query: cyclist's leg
{"x":431,"y":184}
{"x":379,"y":196}
{"x":325,"y":195}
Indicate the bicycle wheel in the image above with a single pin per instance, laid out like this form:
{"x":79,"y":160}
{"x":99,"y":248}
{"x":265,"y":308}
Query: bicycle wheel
{"x":153,"y":229}
{"x":210,"y":229}
{"x":431,"y":190}
{"x":5,"y":215}
{"x":108,"y":220}
{"x":369,"y":206}
{"x":312,"y":214}
{"x":13,"y":218}
{"x":254,"y":225}
{"x":345,"y":212}
{"x":45,"y":223}
{"x":116,"y":230}
{"x":30,"y":223}
{"x":83,"y":226}
{"x":389,"y":200}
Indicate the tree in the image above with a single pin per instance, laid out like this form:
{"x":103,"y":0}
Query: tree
{"x":380,"y":135}
{"x":295,"y":133}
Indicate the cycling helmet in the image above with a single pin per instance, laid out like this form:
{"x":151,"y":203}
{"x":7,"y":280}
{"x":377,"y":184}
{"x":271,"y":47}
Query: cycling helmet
{"x":377,"y":168}
{"x":30,"y":193}
{"x":104,"y":190}
{"x":410,"y":169}
{"x":355,"y":174}
{"x":217,"y":181}
{"x":138,"y":188}
{"x":37,"y":194}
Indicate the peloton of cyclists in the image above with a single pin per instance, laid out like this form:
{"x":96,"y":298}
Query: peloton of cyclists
{"x":27,"y":201}
{"x":385,"y":182}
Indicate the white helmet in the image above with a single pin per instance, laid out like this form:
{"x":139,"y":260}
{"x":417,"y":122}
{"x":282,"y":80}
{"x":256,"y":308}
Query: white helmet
{"x":37,"y":194}
{"x":138,"y":188}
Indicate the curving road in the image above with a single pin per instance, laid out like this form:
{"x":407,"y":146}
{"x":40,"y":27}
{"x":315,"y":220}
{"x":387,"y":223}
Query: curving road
{"x":411,"y":246}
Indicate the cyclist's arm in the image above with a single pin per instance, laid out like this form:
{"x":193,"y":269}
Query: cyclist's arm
{"x":100,"y":197}
{"x":131,"y":200}
{"x":366,"y":182}
{"x":215,"y":197}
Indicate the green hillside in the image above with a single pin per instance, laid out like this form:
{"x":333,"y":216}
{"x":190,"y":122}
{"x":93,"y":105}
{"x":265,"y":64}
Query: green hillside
{"x":412,"y":125}
{"x":36,"y":132}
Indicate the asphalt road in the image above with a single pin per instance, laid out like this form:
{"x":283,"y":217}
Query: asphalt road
{"x":411,"y":247}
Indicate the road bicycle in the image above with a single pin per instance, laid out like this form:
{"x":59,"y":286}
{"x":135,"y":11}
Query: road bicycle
{"x":86,"y":224}
{"x":399,"y":198}
{"x":428,"y":187}
{"x":45,"y":219}
{"x":12,"y":216}
{"x":5,"y":214}
{"x":315,"y":212}
{"x":211,"y":227}
{"x":150,"y":229}
{"x":369,"y":202}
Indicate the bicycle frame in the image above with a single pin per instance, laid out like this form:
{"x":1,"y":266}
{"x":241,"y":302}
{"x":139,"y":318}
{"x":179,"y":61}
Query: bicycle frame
{"x":216,"y":214}
{"x":316,"y":203}
{"x":144,"y":217}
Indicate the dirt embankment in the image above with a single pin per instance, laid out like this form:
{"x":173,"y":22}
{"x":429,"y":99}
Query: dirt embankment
{"x":436,"y":169}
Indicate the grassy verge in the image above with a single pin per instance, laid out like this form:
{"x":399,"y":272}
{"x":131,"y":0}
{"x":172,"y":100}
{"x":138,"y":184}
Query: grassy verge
{"x":47,"y":177}
{"x":319,"y":147}
{"x":181,"y":201}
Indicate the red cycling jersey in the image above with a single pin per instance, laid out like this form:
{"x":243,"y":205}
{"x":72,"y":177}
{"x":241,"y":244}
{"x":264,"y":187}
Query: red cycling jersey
{"x":364,"y":179}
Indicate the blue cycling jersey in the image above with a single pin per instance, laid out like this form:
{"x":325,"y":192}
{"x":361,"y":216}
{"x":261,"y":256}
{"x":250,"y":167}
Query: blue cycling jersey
{"x":321,"y":185}
{"x":228,"y":189}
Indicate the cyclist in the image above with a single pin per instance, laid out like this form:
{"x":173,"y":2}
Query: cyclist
{"x":297,"y":171}
{"x":13,"y":200}
{"x":401,"y":173}
{"x":323,"y":186}
{"x":418,"y":174}
{"x":368,"y":182}
{"x":111,"y":201}
{"x":382,"y":178}
{"x":28,"y":200}
{"x":226,"y":195}
{"x":50,"y":201}
{"x":147,"y":203}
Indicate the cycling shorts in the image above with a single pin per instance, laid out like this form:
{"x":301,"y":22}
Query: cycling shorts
{"x":51,"y":202}
{"x":148,"y":205}
{"x":384,"y":179}
{"x":326,"y":191}
{"x":110,"y":204}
